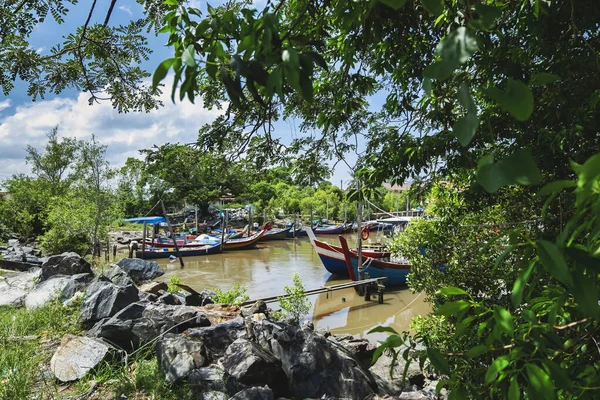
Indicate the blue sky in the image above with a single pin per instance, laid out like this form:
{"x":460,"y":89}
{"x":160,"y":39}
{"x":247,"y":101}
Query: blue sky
{"x":23,"y":122}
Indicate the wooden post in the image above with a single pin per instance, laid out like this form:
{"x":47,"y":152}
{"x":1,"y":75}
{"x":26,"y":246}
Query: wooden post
{"x":196,"y":218}
{"x":144,"y":241}
{"x":153,"y":234}
{"x":223,"y":225}
{"x":359,"y":243}
{"x":162,"y":205}
{"x":114,"y":252}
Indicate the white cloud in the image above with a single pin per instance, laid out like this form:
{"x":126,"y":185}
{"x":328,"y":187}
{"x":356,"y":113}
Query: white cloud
{"x":4,"y":104}
{"x":126,"y":9}
{"x":123,"y":133}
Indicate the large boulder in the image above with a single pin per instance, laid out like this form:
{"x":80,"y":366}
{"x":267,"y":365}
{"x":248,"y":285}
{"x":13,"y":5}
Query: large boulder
{"x":141,"y":322}
{"x":46,"y":291}
{"x":140,"y":270}
{"x":154,"y":288}
{"x":314,"y":365}
{"x":361,"y":349}
{"x":76,"y":356}
{"x":393,"y":384}
{"x":118,"y":276}
{"x":250,"y":364}
{"x":207,"y":379}
{"x":179,"y":356}
{"x":254,"y":393}
{"x":15,"y":287}
{"x":77,"y":283}
{"x":65,"y":264}
{"x":217,"y":338}
{"x":105,"y":299}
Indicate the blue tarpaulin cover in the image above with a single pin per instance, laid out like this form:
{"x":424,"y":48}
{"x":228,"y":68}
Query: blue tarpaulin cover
{"x":149,"y":220}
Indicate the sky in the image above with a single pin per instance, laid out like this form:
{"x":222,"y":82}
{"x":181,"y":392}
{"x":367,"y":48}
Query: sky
{"x":23,"y":122}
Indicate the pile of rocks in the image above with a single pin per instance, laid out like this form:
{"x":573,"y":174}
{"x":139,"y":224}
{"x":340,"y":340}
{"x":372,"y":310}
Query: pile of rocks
{"x":221,"y":351}
{"x":20,"y":253}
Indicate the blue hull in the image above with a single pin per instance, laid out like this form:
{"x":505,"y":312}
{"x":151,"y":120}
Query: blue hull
{"x":334,"y":266}
{"x":394,"y":277}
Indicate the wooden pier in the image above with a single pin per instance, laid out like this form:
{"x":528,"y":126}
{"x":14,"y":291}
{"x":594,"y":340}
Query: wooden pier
{"x":366,"y":286}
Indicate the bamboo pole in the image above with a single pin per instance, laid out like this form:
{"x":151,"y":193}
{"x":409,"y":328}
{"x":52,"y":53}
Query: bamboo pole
{"x":359,"y":243}
{"x":162,"y":205}
{"x":144,"y":241}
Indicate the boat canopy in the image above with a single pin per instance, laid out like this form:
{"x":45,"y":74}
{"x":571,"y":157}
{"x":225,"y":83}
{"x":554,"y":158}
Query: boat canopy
{"x":149,"y":220}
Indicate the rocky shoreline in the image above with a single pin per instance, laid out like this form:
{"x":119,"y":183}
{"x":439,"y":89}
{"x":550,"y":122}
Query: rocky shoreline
{"x":220,"y":351}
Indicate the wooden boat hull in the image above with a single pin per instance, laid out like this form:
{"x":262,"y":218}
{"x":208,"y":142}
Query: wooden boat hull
{"x":329,"y":230}
{"x":153,"y":253}
{"x":332,"y":256}
{"x":275,"y":234}
{"x":299,"y":233}
{"x":394,"y":272}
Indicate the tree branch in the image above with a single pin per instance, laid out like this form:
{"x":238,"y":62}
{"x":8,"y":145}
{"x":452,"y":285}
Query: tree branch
{"x":109,"y":13}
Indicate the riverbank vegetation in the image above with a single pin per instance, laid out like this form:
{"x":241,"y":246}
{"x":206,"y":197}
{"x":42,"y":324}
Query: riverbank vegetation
{"x":493,"y":105}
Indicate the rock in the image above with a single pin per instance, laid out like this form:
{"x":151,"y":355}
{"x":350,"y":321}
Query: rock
{"x":213,"y":395}
{"x":198,"y":300}
{"x":27,"y":250}
{"x":259,"y":307}
{"x":254,"y":393}
{"x":178,"y":356}
{"x":362,"y":349}
{"x":170,"y":299}
{"x":118,"y":276}
{"x":149,"y":297}
{"x":211,"y":378}
{"x":13,"y":243}
{"x":105,"y":299}
{"x":14,"y":287}
{"x":77,"y":284}
{"x":414,"y":393}
{"x":16,"y":256}
{"x":76,"y":356}
{"x":46,"y":291}
{"x":394,"y":385}
{"x":314,"y":365}
{"x":65,"y":264}
{"x":250,"y":364}
{"x":140,"y":270}
{"x":142,"y":322}
{"x":217,"y":338}
{"x":153,"y":287}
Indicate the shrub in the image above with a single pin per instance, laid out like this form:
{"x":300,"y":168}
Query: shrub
{"x":295,"y":304}
{"x":236,"y":295}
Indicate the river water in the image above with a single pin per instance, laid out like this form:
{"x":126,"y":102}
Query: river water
{"x":264,"y":271}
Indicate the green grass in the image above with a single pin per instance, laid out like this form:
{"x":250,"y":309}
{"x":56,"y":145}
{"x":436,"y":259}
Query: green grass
{"x":24,"y":363}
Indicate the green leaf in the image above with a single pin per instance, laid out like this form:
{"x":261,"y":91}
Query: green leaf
{"x":556,"y":186}
{"x":543,"y":79}
{"x":587,"y":295}
{"x":318,"y":59}
{"x":553,"y":260}
{"x":465,"y":128}
{"x":436,"y":7}
{"x":381,"y":329}
{"x":440,"y":70}
{"x":504,"y":321}
{"x":447,"y":291}
{"x":540,"y":382}
{"x":516,"y":169}
{"x":455,"y":49}
{"x":519,"y":285}
{"x":465,"y":99}
{"x":477,"y":351}
{"x":188,"y":56}
{"x":558,"y":375}
{"x":161,"y":71}
{"x":395,"y":4}
{"x":517,"y":99}
{"x":497,"y":366}
{"x":488,"y":15}
{"x":514,"y":393}
{"x":427,"y":86}
{"x":438,"y":361}
{"x":452,"y":307}
{"x":290,"y":56}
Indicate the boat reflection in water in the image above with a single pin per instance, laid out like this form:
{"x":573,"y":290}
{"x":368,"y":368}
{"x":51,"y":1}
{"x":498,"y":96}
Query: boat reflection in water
{"x":346,"y":312}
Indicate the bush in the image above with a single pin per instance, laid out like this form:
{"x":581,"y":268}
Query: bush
{"x":295,"y":304}
{"x":236,"y":295}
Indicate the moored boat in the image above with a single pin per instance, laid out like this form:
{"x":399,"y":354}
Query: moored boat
{"x":242,"y":243}
{"x":329,"y":230}
{"x":395,"y":272}
{"x":332,"y":256}
{"x":166,"y":252}
{"x":275,"y":234}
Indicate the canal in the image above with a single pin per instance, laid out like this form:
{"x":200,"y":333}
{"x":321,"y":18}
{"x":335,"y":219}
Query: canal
{"x":264,"y":271}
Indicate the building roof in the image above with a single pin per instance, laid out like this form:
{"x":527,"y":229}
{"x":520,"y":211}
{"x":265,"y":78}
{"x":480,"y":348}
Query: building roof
{"x":396,"y":188}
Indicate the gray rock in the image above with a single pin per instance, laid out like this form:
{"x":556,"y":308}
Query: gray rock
{"x":414,"y":393}
{"x":250,"y":364}
{"x":213,"y":395}
{"x":153,"y":287}
{"x":27,"y":250}
{"x":394,"y":384}
{"x":211,"y":378}
{"x":362,"y":349}
{"x":13,"y":243}
{"x":118,"y":276}
{"x":65,"y":264}
{"x":193,"y":299}
{"x":77,"y":284}
{"x":170,"y":299}
{"x":142,"y":322}
{"x":314,"y":365}
{"x":178,"y":356}
{"x":140,"y":270}
{"x":260,"y":307}
{"x":46,"y":291}
{"x":254,"y":393}
{"x":76,"y":356}
{"x":32,"y":260}
{"x":217,"y":338}
{"x":14,"y":287}
{"x":16,"y":256}
{"x":105,"y":299}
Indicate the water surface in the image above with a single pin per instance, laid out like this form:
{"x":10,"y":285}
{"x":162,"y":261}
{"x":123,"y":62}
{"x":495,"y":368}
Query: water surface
{"x":266,"y":270}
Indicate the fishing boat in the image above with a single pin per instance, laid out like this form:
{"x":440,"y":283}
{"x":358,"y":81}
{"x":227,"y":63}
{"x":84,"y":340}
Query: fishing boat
{"x":375,"y":268}
{"x":332,"y":256}
{"x":329,"y":230}
{"x":166,"y":252}
{"x":299,"y":232}
{"x":242,"y":243}
{"x":275,"y":234}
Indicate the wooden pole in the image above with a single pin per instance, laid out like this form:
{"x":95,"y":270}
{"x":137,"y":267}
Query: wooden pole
{"x":144,"y":241}
{"x":162,"y":205}
{"x":153,"y":234}
{"x":223,"y":225}
{"x":359,"y":219}
{"x":196,"y":218}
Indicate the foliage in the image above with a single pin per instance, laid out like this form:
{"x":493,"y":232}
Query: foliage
{"x":295,"y":304}
{"x":174,"y":280}
{"x":236,"y":295}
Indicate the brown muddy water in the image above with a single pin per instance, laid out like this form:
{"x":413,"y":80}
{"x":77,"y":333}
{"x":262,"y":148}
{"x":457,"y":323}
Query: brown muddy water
{"x":266,"y":270}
